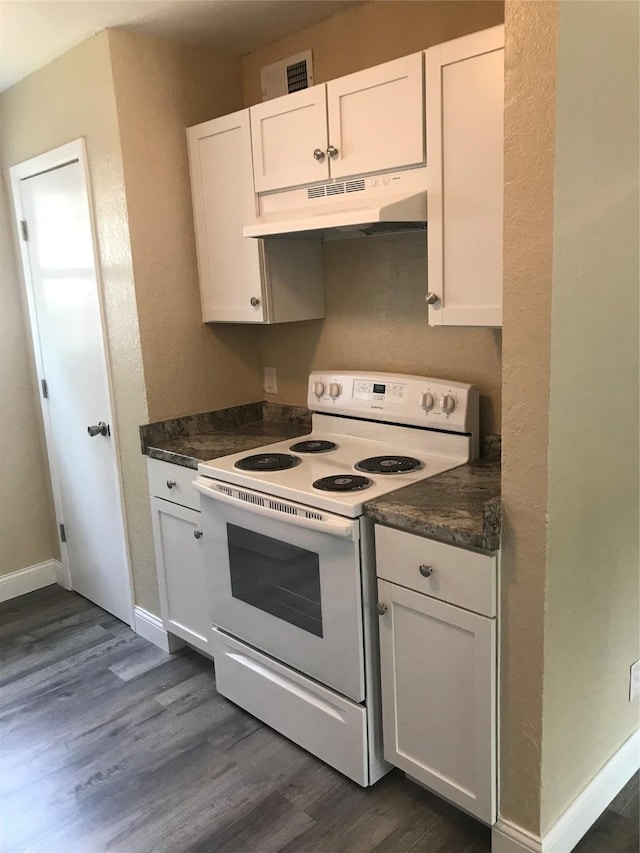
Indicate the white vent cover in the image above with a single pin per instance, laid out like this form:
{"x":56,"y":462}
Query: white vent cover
{"x":287,"y":75}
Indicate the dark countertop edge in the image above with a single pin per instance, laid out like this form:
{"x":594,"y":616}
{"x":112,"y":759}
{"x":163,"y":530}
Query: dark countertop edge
{"x":172,"y":457}
{"x":448,"y":535}
{"x":486,"y":541}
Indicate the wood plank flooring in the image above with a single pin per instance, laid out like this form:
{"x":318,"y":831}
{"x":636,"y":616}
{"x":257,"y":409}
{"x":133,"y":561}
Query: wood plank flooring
{"x":109,"y":744}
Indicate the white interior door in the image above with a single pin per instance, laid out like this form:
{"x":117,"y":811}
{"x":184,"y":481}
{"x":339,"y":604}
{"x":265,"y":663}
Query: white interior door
{"x":51,"y":197}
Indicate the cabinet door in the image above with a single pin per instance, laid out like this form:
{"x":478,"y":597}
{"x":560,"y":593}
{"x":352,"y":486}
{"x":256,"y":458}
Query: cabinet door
{"x":177,"y":538}
{"x":465,"y":139}
{"x":230,"y":267}
{"x":438,"y":696}
{"x":285,"y":133}
{"x":376,"y":118}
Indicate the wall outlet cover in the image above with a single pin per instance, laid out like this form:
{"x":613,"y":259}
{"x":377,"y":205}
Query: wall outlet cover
{"x":634,"y":681}
{"x":270,"y":380}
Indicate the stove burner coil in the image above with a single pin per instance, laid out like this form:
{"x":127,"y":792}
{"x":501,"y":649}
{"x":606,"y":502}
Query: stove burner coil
{"x":388,"y":464}
{"x":342,"y":483}
{"x":313,"y":446}
{"x":267,"y":462}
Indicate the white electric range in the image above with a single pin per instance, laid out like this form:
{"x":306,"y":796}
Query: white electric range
{"x":289,"y":555}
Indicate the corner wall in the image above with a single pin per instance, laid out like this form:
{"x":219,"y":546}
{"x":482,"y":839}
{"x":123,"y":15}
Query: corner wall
{"x":530,"y":84}
{"x":592,"y":621}
{"x":161,"y":88}
{"x":374,"y":288}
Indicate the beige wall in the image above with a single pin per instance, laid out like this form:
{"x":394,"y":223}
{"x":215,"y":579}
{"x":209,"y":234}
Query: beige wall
{"x":570,"y":581}
{"x":69,"y":98}
{"x":375,"y":288}
{"x":592,"y":621}
{"x":530,"y":67}
{"x":27,"y":520}
{"x":161,"y":88}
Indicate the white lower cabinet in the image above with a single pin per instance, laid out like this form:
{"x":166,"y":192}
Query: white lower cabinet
{"x":438,"y":673}
{"x":177,"y":536}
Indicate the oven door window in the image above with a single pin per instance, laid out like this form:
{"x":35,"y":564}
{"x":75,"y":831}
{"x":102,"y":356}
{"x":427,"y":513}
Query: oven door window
{"x":277,"y":577}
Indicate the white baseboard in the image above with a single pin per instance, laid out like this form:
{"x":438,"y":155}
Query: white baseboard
{"x":29,"y":579}
{"x":506,"y":837}
{"x":583,"y":812}
{"x":151,"y":628}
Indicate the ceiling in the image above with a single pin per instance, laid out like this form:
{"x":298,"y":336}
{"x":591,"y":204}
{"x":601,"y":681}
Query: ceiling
{"x":33,"y":32}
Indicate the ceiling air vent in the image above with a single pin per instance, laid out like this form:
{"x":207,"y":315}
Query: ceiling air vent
{"x":287,"y":75}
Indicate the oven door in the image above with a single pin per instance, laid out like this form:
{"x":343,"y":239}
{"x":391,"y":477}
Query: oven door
{"x":286,"y":579}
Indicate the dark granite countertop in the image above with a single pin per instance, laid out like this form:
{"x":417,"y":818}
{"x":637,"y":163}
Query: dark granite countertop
{"x":461,"y":507}
{"x":197,"y":438}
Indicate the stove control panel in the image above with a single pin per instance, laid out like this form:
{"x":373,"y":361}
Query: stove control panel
{"x":396,"y":398}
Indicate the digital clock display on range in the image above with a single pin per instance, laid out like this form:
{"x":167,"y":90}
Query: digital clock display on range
{"x":378,"y":388}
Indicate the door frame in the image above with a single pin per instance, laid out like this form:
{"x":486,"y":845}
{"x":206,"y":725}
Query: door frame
{"x":49,"y":160}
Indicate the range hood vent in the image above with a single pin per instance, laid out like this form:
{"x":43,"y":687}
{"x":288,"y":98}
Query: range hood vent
{"x":345,"y":215}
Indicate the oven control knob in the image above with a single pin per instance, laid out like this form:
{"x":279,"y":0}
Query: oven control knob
{"x":427,"y":401}
{"x":318,"y":389}
{"x":334,"y":390}
{"x":447,"y":403}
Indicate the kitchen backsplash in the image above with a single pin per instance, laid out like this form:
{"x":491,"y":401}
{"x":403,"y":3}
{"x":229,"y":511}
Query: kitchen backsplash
{"x":377,"y":320}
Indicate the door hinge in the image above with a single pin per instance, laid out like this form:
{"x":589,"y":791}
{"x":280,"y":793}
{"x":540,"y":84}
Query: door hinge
{"x":24,"y":229}
{"x":45,"y":388}
{"x":63,"y":533}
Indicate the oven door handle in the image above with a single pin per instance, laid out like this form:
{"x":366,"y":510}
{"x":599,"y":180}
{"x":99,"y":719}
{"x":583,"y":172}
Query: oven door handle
{"x":331,"y":525}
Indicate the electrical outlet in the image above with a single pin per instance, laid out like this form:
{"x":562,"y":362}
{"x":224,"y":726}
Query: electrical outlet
{"x":634,"y":681}
{"x":270,"y":380}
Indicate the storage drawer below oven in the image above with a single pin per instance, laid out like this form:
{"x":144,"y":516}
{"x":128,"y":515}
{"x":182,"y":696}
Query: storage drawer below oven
{"x":322,"y":722}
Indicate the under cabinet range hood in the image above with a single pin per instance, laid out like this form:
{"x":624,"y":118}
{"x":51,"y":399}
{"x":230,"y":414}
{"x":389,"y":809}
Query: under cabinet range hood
{"x":360,"y":207}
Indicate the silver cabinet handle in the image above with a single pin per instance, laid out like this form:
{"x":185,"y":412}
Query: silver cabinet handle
{"x":332,"y":151}
{"x":99,"y":429}
{"x":170,"y":484}
{"x":425,"y":570}
{"x":255,"y":301}
{"x":382,"y":608}
{"x":197,"y":534}
{"x":430,"y":298}
{"x":318,"y":155}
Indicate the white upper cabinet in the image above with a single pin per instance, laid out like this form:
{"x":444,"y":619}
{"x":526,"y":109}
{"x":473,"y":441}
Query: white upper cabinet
{"x":465,"y":140}
{"x":376,"y":118}
{"x":365,"y":122}
{"x":223,"y":201}
{"x":290,"y":140}
{"x":244,"y":280}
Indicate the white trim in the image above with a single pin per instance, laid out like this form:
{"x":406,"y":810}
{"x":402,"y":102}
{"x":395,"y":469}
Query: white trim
{"x":594,"y":799}
{"x":506,"y":837}
{"x":151,"y":628}
{"x":27,"y":580}
{"x":583,"y":812}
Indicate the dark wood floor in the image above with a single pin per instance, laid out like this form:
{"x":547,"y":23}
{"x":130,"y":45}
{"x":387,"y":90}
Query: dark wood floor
{"x":108,"y":744}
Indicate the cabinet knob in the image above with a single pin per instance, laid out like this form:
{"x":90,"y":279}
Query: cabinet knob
{"x":382,"y":608}
{"x":255,"y":301}
{"x":197,"y":534}
{"x":430,"y":298}
{"x":318,"y":155}
{"x":170,"y":484}
{"x":332,"y":151}
{"x":425,"y":570}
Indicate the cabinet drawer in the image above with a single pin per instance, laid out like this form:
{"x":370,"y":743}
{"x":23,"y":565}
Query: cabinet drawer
{"x":460,"y":577}
{"x":181,"y":490}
